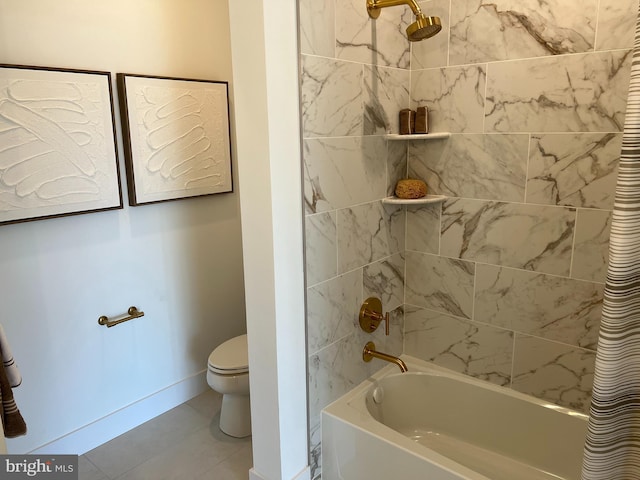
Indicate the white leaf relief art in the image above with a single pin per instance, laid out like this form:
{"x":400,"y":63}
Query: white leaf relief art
{"x":57,"y":150}
{"x":179,"y":137}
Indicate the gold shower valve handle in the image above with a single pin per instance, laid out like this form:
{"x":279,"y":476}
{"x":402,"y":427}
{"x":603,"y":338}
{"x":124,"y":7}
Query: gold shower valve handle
{"x":371,"y":316}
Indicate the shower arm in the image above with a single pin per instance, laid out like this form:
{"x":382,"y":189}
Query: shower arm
{"x":374,"y":6}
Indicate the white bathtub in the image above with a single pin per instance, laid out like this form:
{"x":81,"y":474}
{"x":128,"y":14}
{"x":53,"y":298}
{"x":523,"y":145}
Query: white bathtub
{"x":433,"y":424}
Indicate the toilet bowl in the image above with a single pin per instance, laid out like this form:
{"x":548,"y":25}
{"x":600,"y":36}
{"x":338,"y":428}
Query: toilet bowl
{"x":228,"y":374}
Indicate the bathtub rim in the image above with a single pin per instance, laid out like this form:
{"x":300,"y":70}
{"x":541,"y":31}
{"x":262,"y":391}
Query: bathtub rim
{"x":351,"y":408}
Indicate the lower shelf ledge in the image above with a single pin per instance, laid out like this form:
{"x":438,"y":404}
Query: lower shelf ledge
{"x":414,"y":201}
{"x":418,"y":136}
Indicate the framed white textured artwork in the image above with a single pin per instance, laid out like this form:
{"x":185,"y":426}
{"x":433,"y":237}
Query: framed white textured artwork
{"x":58,"y":153}
{"x":177,"y":142}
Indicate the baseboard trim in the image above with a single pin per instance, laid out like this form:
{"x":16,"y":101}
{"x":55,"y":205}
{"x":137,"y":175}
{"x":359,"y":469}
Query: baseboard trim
{"x":304,"y":474}
{"x":110,"y":426}
{"x":253,"y":475}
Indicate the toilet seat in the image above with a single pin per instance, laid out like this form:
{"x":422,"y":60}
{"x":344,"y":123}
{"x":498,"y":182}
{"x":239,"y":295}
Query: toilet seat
{"x":231,"y":357}
{"x":236,"y":371}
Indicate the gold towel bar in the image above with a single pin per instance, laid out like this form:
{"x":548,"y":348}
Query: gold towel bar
{"x":133,"y":313}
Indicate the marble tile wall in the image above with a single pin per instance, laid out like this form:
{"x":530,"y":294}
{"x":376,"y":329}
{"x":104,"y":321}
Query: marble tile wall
{"x":534,"y":96}
{"x":504,"y":280}
{"x":355,"y":78}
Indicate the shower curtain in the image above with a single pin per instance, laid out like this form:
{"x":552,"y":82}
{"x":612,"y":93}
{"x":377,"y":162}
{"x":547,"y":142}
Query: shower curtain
{"x":612,"y":449}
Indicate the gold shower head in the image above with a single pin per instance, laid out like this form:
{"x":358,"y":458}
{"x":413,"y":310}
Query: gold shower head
{"x":423,"y":27}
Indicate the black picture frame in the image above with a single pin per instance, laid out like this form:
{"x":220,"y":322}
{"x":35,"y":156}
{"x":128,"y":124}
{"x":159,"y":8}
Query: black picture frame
{"x":177,"y":137}
{"x":58,"y":144}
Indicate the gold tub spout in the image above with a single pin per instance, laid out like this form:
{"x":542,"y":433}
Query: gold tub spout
{"x":369,"y":352}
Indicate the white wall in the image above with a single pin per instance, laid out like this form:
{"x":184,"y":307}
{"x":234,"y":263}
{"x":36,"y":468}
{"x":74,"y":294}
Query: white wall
{"x":265,"y":71}
{"x":180,"y":262}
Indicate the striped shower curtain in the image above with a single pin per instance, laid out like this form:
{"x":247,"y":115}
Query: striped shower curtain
{"x":612,"y":449}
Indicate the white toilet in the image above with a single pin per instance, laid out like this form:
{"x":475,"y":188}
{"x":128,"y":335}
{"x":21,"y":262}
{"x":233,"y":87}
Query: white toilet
{"x":228,"y":374}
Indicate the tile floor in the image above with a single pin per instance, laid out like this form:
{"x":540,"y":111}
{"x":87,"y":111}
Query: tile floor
{"x":182,"y":444}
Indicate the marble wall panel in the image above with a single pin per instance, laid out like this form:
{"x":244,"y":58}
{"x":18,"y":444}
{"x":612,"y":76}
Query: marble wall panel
{"x":321,"y":247}
{"x":574,"y":169}
{"x":454,"y":97}
{"x":332,"y":309}
{"x":433,"y":52}
{"x":354,"y":81}
{"x":374,"y":42}
{"x":616,"y":24}
{"x":339,"y":367}
{"x":396,"y":164}
{"x":530,"y":237}
{"x":386,"y":93}
{"x":333,"y":371}
{"x":331,"y":97}
{"x":423,"y":228}
{"x":385,"y":280}
{"x":546,"y":306}
{"x":480,"y":166}
{"x":345,"y":171}
{"x":317,"y":27}
{"x":552,"y":371}
{"x":591,"y":249}
{"x":467,"y":347}
{"x":441,"y":284}
{"x":484,"y":31}
{"x":369,"y":232}
{"x":315,"y":450}
{"x":568,"y":93}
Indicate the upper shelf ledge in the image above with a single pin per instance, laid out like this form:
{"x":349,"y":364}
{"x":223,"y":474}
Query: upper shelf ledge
{"x":418,"y":136}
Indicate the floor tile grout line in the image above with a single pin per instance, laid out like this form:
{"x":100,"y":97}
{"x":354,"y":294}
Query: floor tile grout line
{"x":94,"y":466}
{"x":181,"y":437}
{"x":240,"y":445}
